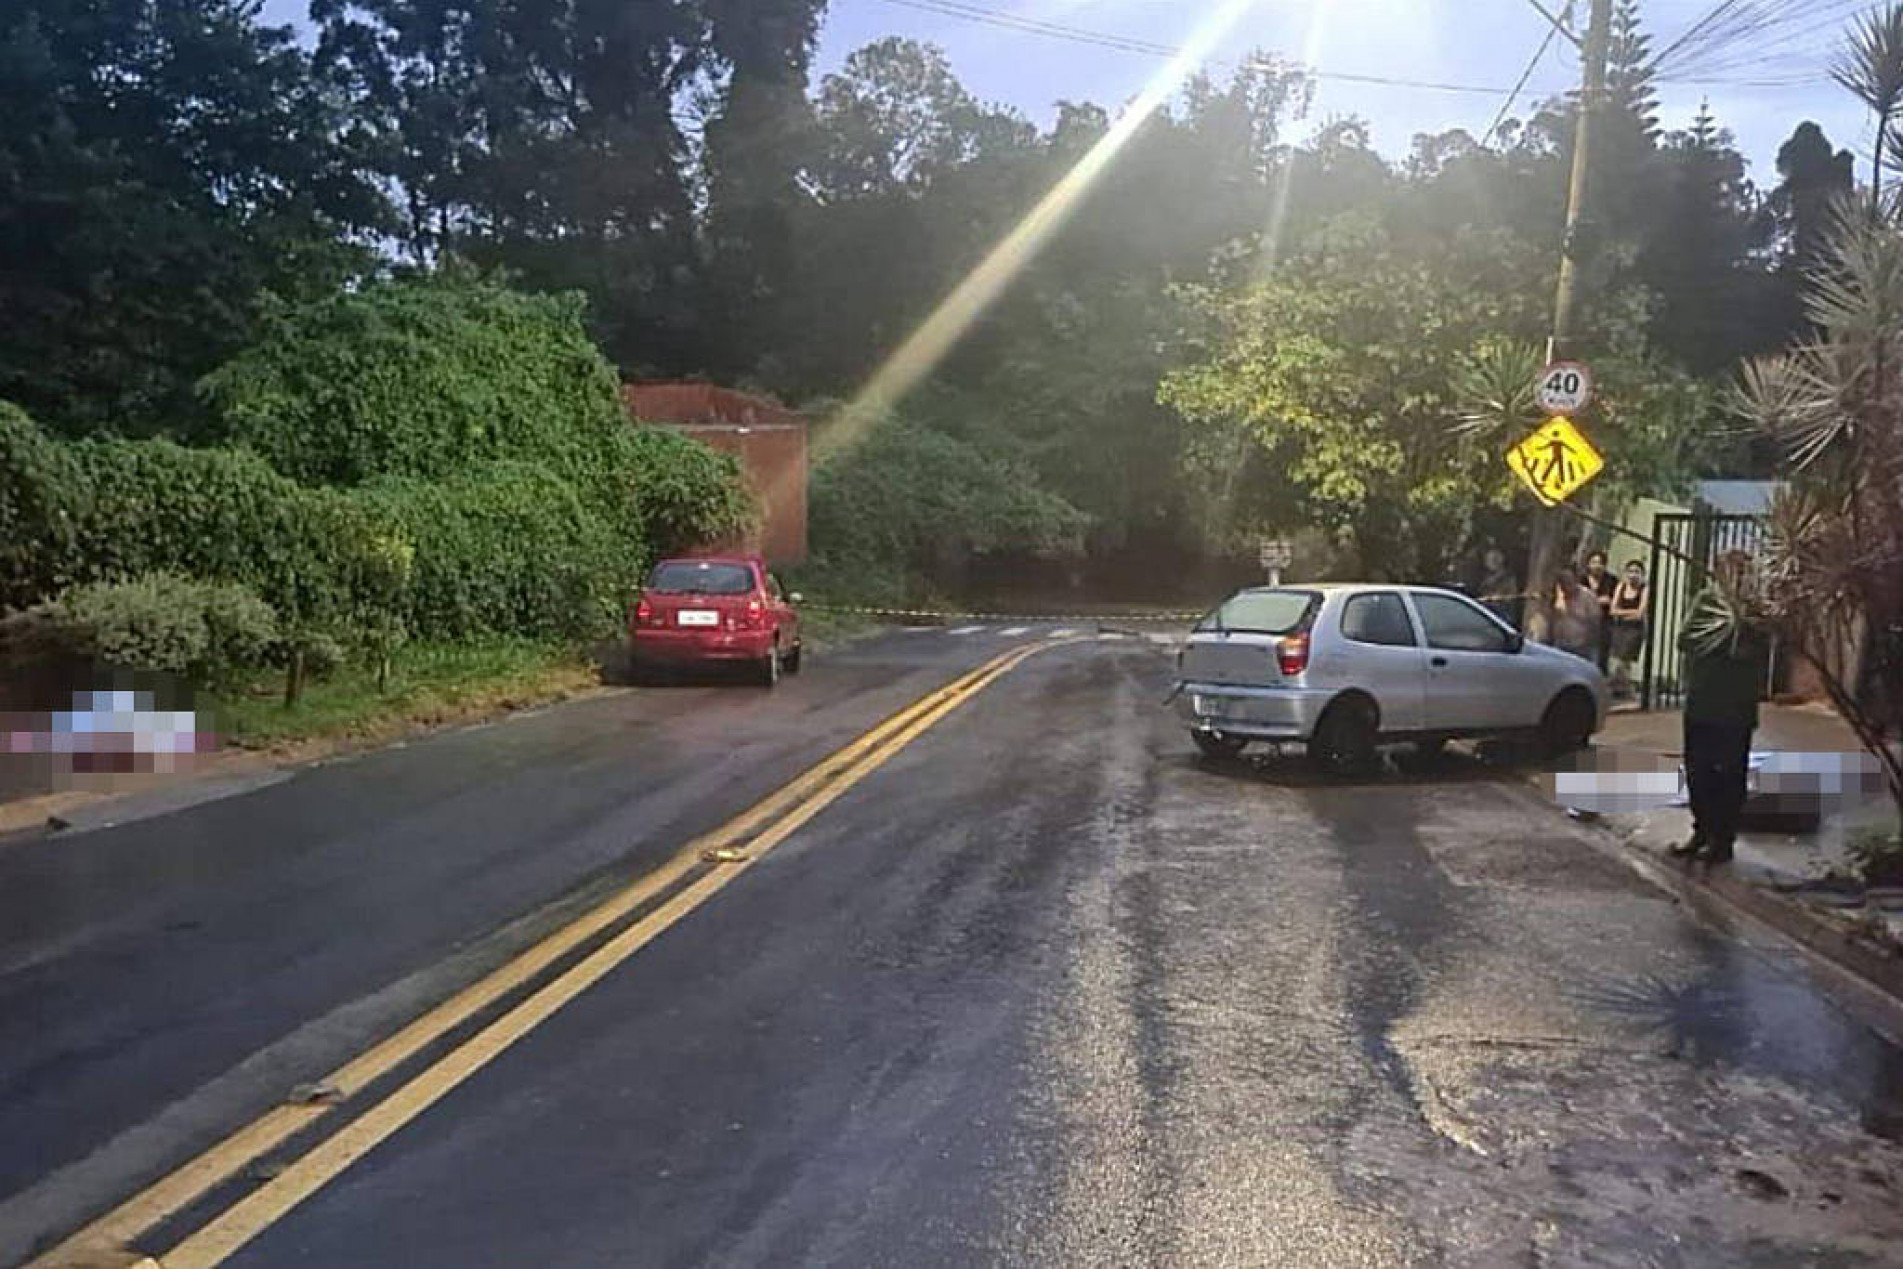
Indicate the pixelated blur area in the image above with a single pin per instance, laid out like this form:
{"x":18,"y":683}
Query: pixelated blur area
{"x":95,"y":733}
{"x":1791,"y":790}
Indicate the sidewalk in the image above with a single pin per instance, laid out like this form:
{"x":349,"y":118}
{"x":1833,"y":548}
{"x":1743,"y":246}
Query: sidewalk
{"x":1778,"y":875}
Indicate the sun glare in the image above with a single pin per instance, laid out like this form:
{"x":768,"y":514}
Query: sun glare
{"x":1312,"y":45}
{"x":927,"y":346}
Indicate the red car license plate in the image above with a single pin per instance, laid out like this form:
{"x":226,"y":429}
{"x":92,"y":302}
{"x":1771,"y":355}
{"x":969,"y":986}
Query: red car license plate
{"x":697,"y":617}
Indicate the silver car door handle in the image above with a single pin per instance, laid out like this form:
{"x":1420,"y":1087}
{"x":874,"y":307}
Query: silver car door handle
{"x":1439,"y":663}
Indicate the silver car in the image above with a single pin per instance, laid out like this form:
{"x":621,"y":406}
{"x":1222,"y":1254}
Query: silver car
{"x":1343,"y":668}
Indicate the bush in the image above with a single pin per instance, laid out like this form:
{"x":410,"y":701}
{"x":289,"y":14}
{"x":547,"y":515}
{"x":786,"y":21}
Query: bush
{"x":422,"y":377}
{"x":439,"y":455}
{"x":910,"y":496}
{"x":428,"y":377}
{"x":159,"y":622}
{"x":43,"y":503}
{"x":508,"y":548}
{"x":686,"y":494}
{"x":114,"y":510}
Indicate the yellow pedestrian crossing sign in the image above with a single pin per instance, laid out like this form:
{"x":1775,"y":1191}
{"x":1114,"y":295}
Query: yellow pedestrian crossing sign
{"x":1556,"y":461}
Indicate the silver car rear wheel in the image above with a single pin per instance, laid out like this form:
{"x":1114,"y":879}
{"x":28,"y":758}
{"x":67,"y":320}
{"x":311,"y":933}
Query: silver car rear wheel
{"x":1344,"y":740}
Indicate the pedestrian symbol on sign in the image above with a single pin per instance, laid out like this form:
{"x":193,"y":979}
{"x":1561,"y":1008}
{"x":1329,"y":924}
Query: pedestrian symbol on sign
{"x":1559,"y":463}
{"x":1555,"y":462}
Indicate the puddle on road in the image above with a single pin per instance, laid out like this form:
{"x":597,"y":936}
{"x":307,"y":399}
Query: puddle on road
{"x":1745,"y":1014}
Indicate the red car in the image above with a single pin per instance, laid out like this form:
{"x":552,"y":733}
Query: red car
{"x":716,"y":609}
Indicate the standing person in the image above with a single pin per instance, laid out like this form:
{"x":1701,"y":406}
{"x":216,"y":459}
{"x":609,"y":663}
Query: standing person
{"x":1627,"y":613}
{"x":1499,"y":588}
{"x":1724,"y":671}
{"x":1601,"y":583}
{"x":1575,"y":617}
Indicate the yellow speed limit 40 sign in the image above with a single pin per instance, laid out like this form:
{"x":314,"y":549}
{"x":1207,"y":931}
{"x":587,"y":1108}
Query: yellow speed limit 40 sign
{"x":1556,"y":461}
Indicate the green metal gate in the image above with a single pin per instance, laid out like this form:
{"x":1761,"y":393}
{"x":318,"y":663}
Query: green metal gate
{"x":1677,"y":539}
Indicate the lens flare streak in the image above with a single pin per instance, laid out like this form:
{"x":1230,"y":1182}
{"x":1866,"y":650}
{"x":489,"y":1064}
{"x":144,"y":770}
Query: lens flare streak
{"x":926,"y":347}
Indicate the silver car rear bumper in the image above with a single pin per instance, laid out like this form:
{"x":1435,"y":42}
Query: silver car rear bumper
{"x":1273,"y":713}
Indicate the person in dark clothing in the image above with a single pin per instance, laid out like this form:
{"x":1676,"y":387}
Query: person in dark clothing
{"x":1602,"y":584}
{"x":1628,"y":627}
{"x":1724,"y":676}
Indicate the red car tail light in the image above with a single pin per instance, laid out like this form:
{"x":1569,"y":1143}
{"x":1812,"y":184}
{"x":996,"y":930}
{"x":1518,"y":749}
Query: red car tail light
{"x":752,"y":618}
{"x":644,"y":612}
{"x":1291,"y":655}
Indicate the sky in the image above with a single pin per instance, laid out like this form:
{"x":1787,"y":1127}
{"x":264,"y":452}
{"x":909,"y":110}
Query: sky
{"x":1470,"y":43}
{"x":1473,"y":44}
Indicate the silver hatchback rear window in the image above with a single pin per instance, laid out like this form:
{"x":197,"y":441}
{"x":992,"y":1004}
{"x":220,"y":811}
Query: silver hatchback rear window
{"x":1270,"y":612}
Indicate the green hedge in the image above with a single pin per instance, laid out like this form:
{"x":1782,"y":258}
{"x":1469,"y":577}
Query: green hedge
{"x":427,"y":378}
{"x":44,"y":504}
{"x":507,"y":548}
{"x":504,"y":547}
{"x":205,"y":631}
{"x":438,"y":456}
{"x":685,"y":493}
{"x":423,"y":377}
{"x":909,"y":496}
{"x":113,"y":510}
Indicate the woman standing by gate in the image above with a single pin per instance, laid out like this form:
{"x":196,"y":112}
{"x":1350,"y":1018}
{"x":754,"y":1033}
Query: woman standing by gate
{"x":1627,"y":613}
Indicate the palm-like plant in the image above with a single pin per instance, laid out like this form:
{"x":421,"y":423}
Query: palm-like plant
{"x":1830,"y":581}
{"x":1870,"y":65}
{"x":1497,"y":387}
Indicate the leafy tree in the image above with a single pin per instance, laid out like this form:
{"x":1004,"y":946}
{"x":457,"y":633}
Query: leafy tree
{"x":1704,"y":254}
{"x":1814,"y":179}
{"x":910,"y":180}
{"x":1831,"y":581}
{"x":1343,"y":366}
{"x":892,"y":118}
{"x":165,"y":165}
{"x":1632,"y":101}
{"x":753,"y":144}
{"x":1062,"y":373}
{"x":541,"y":136}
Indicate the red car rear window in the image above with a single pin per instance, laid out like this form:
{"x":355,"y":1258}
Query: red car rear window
{"x":700,"y":577}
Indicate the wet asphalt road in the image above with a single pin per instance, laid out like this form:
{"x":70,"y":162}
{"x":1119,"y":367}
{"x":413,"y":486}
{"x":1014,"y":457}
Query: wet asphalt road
{"x":1045,"y":989}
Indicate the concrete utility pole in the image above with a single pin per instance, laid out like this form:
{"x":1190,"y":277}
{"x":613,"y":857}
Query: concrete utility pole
{"x":1543,"y":562}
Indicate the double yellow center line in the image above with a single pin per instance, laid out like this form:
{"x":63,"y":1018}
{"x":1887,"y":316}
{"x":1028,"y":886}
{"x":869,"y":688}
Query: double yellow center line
{"x":717,"y":857}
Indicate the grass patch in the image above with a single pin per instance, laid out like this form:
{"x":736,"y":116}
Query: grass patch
{"x":823,"y":631}
{"x":430,"y":684}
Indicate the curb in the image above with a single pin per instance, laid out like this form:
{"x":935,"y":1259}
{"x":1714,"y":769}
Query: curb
{"x":25,"y":818}
{"x":1814,"y":931}
{"x":1721,"y":896}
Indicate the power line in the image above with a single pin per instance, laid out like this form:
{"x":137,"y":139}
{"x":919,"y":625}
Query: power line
{"x":1525,"y":75}
{"x":1558,"y":20}
{"x":1130,"y":44}
{"x":1692,"y":32}
{"x":1739,"y":33}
